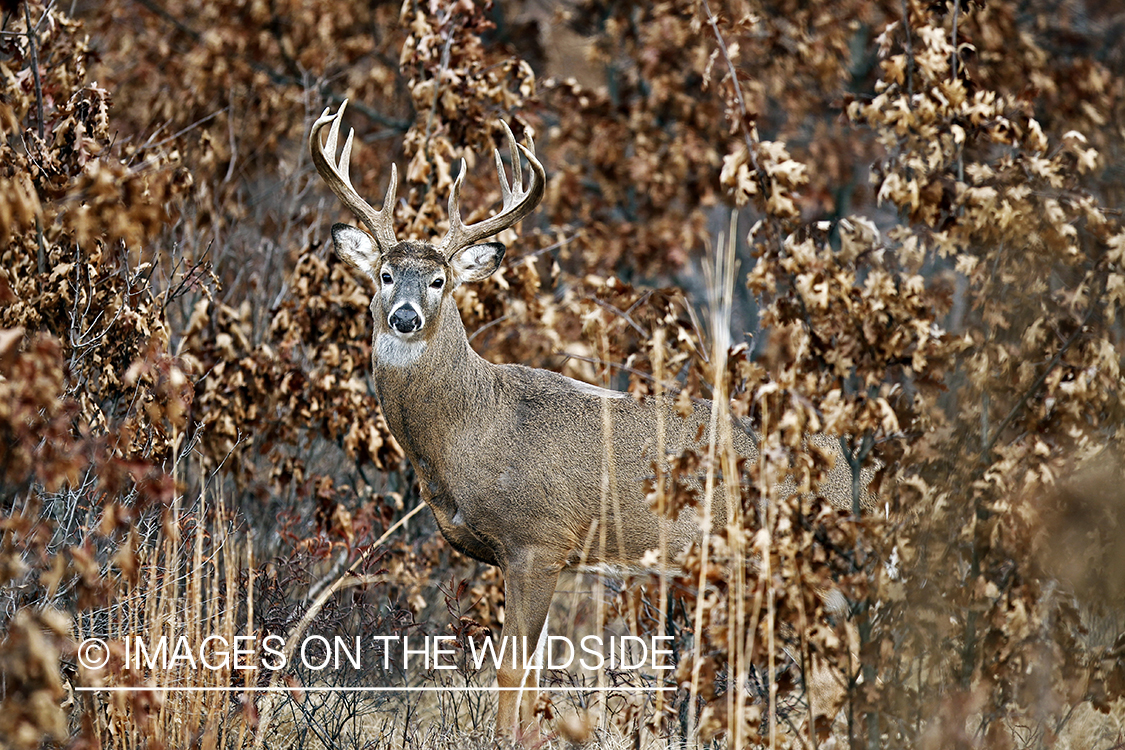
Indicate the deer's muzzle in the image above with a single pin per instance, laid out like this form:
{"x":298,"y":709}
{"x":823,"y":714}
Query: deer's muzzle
{"x":405,"y":319}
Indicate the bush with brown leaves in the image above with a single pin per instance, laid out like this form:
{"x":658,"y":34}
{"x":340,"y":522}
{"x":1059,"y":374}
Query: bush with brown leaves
{"x":934,"y":277}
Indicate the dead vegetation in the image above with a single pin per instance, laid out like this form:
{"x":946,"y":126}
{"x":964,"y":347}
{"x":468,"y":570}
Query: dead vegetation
{"x":933,"y":273}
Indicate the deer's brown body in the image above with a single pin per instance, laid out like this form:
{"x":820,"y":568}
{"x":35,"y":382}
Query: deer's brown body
{"x":485,"y":446}
{"x":523,"y":468}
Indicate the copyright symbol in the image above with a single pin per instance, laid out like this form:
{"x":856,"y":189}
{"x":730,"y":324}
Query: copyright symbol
{"x":93,"y":653}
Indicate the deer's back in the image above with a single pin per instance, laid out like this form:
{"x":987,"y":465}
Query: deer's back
{"x":562,"y":464}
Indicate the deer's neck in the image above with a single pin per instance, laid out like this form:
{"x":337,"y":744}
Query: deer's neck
{"x":429,"y":389}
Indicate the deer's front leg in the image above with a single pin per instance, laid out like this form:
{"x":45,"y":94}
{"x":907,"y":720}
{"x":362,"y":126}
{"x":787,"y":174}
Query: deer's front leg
{"x":529,"y":584}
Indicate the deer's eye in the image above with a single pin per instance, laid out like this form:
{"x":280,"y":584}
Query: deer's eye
{"x":387,"y":278}
{"x":438,"y":283}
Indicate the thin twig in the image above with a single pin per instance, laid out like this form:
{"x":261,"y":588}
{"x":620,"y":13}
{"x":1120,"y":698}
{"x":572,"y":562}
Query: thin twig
{"x":488,"y":325}
{"x":189,"y":128}
{"x":750,"y":137}
{"x":180,"y":25}
{"x":194,"y":273}
{"x":1038,"y":382}
{"x":644,"y":298}
{"x":909,"y":46}
{"x":536,"y":253}
{"x":233,"y":146}
{"x":953,"y":57}
{"x":33,"y":47}
{"x":41,"y":260}
{"x":621,"y":314}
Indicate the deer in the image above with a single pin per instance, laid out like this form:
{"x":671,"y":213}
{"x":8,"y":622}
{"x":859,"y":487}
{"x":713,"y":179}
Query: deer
{"x":511,"y":460}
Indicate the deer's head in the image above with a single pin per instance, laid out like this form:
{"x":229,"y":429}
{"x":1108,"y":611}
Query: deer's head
{"x":414,"y":278}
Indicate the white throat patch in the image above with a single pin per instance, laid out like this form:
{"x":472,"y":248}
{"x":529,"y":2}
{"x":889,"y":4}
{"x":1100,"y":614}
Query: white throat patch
{"x":392,"y":351}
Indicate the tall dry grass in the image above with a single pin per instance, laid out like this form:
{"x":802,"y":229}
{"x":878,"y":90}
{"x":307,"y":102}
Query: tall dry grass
{"x":196,"y":581}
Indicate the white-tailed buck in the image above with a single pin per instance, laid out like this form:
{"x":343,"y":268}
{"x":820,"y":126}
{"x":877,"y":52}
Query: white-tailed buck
{"x":523,"y":468}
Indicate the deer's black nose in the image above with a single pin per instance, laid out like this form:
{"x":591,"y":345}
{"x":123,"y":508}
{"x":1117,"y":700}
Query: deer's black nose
{"x":406,"y":320}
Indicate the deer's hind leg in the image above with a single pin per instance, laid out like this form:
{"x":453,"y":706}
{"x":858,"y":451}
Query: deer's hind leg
{"x":530,"y":579}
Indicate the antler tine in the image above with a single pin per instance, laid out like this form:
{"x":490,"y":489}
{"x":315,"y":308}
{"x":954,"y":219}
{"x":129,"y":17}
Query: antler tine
{"x":517,"y":170}
{"x":518,"y":202}
{"x":336,"y":174}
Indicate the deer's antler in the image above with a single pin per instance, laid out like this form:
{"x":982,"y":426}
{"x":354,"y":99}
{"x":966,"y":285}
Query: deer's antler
{"x":518,"y":202}
{"x":335,"y":173}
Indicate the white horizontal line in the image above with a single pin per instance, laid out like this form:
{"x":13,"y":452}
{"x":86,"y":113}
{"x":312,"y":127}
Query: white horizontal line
{"x":451,"y":689}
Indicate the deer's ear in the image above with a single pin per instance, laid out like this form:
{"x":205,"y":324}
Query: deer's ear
{"x":356,"y":247}
{"x":477,"y":262}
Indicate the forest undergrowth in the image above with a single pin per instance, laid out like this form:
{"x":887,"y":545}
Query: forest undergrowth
{"x":894,"y":224}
